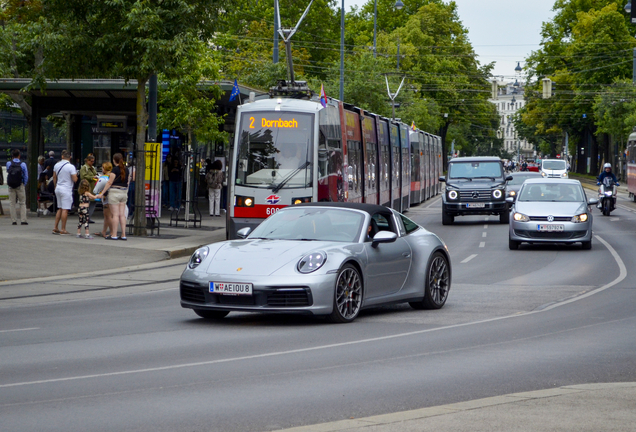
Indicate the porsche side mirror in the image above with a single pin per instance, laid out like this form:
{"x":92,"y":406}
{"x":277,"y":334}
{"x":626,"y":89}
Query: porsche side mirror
{"x":243,"y":232}
{"x":383,"y":237}
{"x":442,"y":179}
{"x":592,"y":201}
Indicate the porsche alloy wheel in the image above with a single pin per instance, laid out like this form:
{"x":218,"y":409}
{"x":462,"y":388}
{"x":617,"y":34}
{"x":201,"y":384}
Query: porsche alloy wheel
{"x":348,"y":295}
{"x":437,"y":284}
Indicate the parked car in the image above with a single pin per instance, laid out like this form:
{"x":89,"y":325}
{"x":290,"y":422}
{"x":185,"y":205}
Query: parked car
{"x":329,"y":259}
{"x":551,"y":210}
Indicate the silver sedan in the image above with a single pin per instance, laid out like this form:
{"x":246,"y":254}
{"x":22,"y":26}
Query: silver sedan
{"x":551,"y":210}
{"x":328,"y":259}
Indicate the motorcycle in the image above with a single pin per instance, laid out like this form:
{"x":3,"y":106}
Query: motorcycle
{"x":607,"y":196}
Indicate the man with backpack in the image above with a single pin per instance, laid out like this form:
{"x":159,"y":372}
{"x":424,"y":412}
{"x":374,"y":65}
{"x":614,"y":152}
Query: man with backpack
{"x":17,"y":178}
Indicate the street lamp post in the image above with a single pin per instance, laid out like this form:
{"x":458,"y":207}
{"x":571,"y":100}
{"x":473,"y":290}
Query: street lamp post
{"x":342,"y":21}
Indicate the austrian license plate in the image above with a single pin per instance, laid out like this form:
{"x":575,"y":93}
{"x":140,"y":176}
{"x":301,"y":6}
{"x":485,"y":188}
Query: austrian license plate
{"x":231,"y":288}
{"x":550,"y":228}
{"x":475,"y":205}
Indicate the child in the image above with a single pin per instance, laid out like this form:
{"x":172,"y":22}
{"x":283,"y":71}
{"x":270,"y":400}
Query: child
{"x":82,"y":211}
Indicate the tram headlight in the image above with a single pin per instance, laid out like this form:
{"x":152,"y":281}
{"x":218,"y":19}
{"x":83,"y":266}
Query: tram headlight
{"x":242,"y":201}
{"x":497,"y":193}
{"x":300,"y":200}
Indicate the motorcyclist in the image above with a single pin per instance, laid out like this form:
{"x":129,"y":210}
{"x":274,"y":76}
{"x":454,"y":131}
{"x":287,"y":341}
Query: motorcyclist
{"x":607,"y":173}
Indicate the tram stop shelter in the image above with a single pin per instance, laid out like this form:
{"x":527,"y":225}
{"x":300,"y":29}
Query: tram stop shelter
{"x":100,"y":115}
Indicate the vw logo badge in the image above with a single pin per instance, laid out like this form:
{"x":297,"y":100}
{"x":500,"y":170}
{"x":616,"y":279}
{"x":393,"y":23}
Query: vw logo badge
{"x":475,"y":195}
{"x":550,"y":218}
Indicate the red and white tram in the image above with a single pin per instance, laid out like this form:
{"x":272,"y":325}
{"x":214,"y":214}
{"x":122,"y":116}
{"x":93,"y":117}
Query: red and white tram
{"x":631,"y":165}
{"x":288,"y":151}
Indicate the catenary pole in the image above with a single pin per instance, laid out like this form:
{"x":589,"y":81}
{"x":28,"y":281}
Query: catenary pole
{"x":342,"y":23}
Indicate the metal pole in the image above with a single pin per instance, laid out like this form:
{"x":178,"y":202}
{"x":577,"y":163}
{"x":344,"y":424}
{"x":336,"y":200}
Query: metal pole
{"x":342,"y":23}
{"x":398,"y":54}
{"x":375,"y":27}
{"x":634,"y":68}
{"x":275,"y":59}
{"x":152,"y":109}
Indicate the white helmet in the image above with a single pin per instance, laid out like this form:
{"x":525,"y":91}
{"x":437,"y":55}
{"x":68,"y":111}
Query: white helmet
{"x":607,"y":165}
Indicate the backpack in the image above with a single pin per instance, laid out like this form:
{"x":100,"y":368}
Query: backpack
{"x":14,"y":175}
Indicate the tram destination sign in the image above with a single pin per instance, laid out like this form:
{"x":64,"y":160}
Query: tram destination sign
{"x":111,"y":125}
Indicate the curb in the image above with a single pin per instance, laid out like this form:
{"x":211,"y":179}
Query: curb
{"x":424,"y":413}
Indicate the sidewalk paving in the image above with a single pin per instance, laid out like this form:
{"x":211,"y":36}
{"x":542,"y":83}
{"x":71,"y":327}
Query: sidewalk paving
{"x":32,"y":251}
{"x":586,"y":407}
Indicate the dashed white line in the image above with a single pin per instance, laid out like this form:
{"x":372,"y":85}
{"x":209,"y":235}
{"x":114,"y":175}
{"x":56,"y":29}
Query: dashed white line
{"x":482,"y":244}
{"x":22,"y":329}
{"x":468,"y":258}
{"x":486,"y":226}
{"x":484,"y":234}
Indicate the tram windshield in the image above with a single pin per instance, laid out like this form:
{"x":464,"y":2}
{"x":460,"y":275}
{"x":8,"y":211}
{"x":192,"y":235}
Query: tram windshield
{"x":275,"y":150}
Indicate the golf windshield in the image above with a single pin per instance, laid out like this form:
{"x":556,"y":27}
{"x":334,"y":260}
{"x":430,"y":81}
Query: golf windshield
{"x":275,"y":150}
{"x":311,"y":223}
{"x":551,"y":192}
{"x":471,"y":170}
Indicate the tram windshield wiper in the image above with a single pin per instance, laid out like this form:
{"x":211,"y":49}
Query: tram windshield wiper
{"x":283,"y":182}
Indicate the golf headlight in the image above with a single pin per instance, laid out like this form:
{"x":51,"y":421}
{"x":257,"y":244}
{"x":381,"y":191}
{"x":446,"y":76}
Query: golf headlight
{"x":452,"y":194}
{"x":312,"y":262}
{"x":198,"y":256}
{"x":520,"y":217}
{"x":580,"y":218}
{"x":497,"y":193}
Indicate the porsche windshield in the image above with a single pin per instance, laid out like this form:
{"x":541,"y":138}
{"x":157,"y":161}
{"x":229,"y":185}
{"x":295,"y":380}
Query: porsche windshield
{"x":311,"y":223}
{"x":275,"y":150}
{"x":473,"y":170}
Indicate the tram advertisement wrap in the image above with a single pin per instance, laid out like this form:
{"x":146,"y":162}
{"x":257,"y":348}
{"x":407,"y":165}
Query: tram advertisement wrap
{"x":152,"y":181}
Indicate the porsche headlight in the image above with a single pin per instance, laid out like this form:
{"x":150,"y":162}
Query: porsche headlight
{"x":520,"y":217}
{"x":198,"y":256}
{"x":497,"y":193}
{"x":580,"y":218}
{"x":312,"y":262}
{"x":452,"y":194}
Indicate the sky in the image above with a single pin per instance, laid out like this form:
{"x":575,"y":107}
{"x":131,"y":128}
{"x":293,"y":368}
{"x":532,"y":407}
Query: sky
{"x":501,"y":31}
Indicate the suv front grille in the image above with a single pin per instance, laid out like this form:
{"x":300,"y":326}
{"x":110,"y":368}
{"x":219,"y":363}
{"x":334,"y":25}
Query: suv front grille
{"x":482,"y":195}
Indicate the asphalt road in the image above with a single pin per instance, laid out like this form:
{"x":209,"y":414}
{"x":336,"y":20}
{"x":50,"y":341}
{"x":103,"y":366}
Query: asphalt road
{"x":132,"y":359}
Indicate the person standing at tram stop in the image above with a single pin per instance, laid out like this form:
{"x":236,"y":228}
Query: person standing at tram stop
{"x":175,"y":178}
{"x":89,"y":173}
{"x":64,"y":177}
{"x":117,"y":188}
{"x":17,"y":178}
{"x":215,"y":179}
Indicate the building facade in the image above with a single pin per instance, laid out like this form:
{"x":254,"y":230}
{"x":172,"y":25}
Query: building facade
{"x":509,"y":99}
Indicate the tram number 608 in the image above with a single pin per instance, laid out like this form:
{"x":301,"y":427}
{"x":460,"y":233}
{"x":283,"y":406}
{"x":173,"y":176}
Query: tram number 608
{"x":271,"y":210}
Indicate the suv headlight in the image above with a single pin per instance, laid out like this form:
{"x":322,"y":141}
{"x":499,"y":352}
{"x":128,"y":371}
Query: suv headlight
{"x":312,"y":262}
{"x":497,"y":193}
{"x":198,"y":256}
{"x":520,"y":217}
{"x":452,"y":194}
{"x":580,"y":218}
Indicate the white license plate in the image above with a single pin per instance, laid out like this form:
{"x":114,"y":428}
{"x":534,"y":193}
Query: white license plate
{"x":475,"y":205}
{"x":550,"y":228}
{"x":231,"y":288}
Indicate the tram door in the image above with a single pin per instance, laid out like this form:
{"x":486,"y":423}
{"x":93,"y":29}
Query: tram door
{"x":424,"y":165}
{"x":430,"y":171}
{"x":405,"y":167}
{"x":396,"y":164}
{"x":371,"y":168}
{"x":354,"y":156}
{"x":330,"y":158}
{"x":384,"y":149}
{"x":439,"y":162}
{"x":415,"y":167}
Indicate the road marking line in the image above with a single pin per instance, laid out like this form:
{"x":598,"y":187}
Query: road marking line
{"x":614,"y":219}
{"x":22,"y":329}
{"x":486,"y":226}
{"x":468,"y":259}
{"x":484,"y":234}
{"x":622,"y":275}
{"x":482,"y":244}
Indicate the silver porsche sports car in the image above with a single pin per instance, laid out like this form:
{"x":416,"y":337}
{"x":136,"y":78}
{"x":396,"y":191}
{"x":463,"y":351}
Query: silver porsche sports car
{"x":330,"y":259}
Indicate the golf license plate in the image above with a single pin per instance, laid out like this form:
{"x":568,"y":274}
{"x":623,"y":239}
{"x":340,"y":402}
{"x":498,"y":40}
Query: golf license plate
{"x":475,"y":205}
{"x":231,"y":288}
{"x":550,"y":228}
